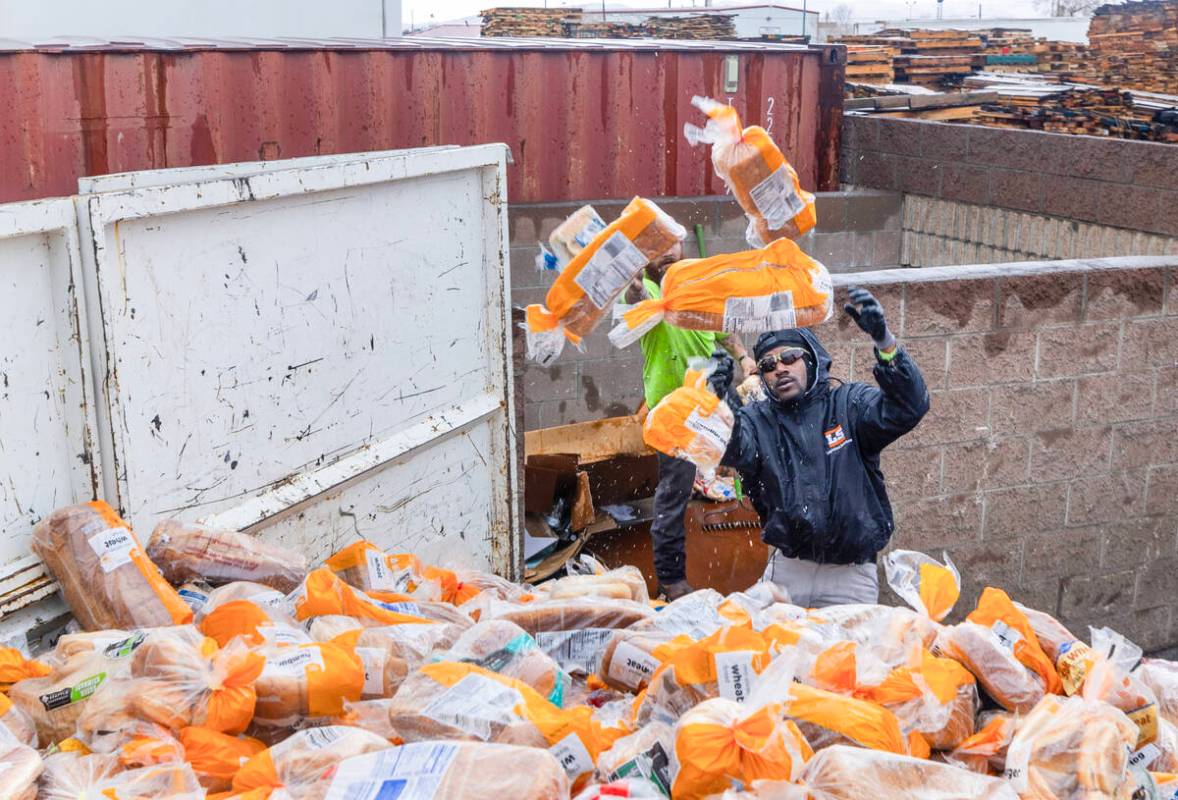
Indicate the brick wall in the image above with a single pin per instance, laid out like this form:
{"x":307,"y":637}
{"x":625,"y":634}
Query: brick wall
{"x":1114,"y":182}
{"x":1048,"y":464}
{"x":856,"y":231}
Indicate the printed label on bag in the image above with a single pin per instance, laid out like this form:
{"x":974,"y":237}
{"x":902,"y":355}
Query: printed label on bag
{"x":614,"y":265}
{"x":268,"y":600}
{"x":283,"y":634}
{"x":293,"y":663}
{"x":410,"y":772}
{"x":573,"y":755}
{"x":113,"y":547}
{"x":575,"y":651}
{"x":124,"y":647}
{"x":768,"y":312}
{"x":1147,"y":788}
{"x":1145,"y":756}
{"x":410,"y":609}
{"x":632,"y":666}
{"x":379,"y":575}
{"x":776,"y":198}
{"x":694,"y":615}
{"x":195,"y":600}
{"x":311,"y":739}
{"x":375,"y":659}
{"x":735,"y":675}
{"x":711,"y":428}
{"x":1007,"y":636}
{"x":1072,"y":665}
{"x":652,"y":765}
{"x":72,"y":694}
{"x":1018,"y":758}
{"x":474,"y":704}
{"x":1146,"y":720}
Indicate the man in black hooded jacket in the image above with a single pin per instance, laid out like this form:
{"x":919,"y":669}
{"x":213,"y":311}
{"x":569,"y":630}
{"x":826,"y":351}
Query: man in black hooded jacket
{"x":809,"y":457}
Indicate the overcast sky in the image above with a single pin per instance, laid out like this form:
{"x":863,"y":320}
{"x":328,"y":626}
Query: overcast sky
{"x":421,"y":11}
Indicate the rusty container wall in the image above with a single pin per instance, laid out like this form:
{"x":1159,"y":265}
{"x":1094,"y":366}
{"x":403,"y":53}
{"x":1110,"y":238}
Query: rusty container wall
{"x":583,"y":121}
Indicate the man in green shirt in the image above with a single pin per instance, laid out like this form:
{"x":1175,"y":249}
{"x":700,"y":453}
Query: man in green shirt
{"x":666,"y":351}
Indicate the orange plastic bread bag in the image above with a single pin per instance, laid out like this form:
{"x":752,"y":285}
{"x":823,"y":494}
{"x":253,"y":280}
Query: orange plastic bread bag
{"x":690,"y":423}
{"x":592,"y":281}
{"x":324,"y":593}
{"x":721,"y":742}
{"x":931,"y":588}
{"x":775,"y":287}
{"x":756,"y":172}
{"x":15,"y":667}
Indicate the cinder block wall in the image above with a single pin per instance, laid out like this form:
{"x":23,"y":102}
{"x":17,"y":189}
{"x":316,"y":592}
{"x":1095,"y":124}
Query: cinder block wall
{"x":986,"y":195}
{"x":856,"y":231}
{"x":1048,"y":464}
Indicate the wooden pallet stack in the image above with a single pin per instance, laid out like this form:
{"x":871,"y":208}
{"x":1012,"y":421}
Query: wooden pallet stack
{"x":596,"y":29}
{"x":693,"y":26}
{"x":515,"y":21}
{"x":1074,"y":110}
{"x":869,"y":63}
{"x":1060,"y":57}
{"x":1135,"y":45}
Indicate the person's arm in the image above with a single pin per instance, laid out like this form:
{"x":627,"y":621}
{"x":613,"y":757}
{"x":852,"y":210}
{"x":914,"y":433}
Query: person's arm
{"x":880,"y":416}
{"x":735,"y":347}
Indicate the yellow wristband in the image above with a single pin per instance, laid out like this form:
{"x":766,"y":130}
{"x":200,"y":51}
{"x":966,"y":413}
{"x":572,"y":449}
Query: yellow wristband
{"x":887,"y":356}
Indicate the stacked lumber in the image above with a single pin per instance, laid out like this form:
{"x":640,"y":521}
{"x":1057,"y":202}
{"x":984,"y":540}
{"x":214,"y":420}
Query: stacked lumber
{"x":943,"y":71}
{"x":693,"y":26}
{"x":943,"y":43}
{"x":1006,"y":41}
{"x":596,"y":29}
{"x":870,"y":64}
{"x":1135,"y":45}
{"x":1060,"y":57}
{"x":514,"y":21}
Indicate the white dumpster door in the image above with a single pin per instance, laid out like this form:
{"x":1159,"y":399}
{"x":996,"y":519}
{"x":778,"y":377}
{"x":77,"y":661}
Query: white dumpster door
{"x":314,"y":354}
{"x":46,"y":453}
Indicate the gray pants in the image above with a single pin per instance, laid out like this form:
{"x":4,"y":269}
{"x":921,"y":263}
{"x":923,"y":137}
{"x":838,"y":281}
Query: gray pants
{"x":668,"y":538}
{"x":814,"y":585}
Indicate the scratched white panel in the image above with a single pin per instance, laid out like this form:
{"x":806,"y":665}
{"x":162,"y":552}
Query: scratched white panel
{"x":434,"y":502}
{"x":45,"y":417}
{"x":271,"y":337}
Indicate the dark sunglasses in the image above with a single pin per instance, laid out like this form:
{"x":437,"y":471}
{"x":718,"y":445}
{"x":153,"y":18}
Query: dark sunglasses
{"x":769,"y":363}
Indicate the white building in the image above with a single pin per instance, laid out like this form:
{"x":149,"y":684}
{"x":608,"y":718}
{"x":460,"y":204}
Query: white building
{"x":752,"y":20}
{"x":1059,"y":29}
{"x":41,"y":20}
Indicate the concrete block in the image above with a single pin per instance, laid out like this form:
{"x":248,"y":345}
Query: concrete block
{"x":1034,"y":301}
{"x":1157,"y":583}
{"x":1128,"y":544}
{"x":998,"y":564}
{"x":1019,"y":511}
{"x":1123,"y":293}
{"x":947,"y":308}
{"x":874,"y":211}
{"x":1088,"y":596}
{"x":886,"y":248}
{"x":1064,"y":553}
{"x":1101,"y":401}
{"x":987,"y":464}
{"x":1072,"y":198}
{"x":1022,"y":191}
{"x":982,"y":359}
{"x":1165,"y":392}
{"x":1081,"y":350}
{"x":933,"y":523}
{"x":1067,"y":453}
{"x":1144,"y":443}
{"x":912,"y":473}
{"x":1106,"y":498}
{"x":960,"y":415}
{"x":1133,"y":207}
{"x":557,"y":382}
{"x":1150,"y":343}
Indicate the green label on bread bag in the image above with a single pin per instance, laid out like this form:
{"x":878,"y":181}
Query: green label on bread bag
{"x":72,"y":694}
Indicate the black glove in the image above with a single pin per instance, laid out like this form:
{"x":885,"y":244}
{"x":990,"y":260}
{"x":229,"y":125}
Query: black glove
{"x":720,"y":381}
{"x":870,"y":317}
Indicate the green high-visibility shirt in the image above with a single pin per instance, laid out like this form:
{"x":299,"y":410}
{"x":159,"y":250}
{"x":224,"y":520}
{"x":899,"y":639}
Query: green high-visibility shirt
{"x":667,"y":350}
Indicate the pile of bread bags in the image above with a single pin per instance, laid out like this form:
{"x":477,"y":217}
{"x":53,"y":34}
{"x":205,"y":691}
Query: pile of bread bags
{"x":211,"y":664}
